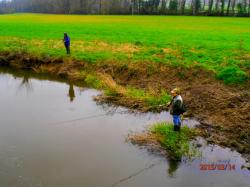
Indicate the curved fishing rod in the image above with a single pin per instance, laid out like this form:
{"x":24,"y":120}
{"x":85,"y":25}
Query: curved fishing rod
{"x":96,"y":116}
{"x":89,"y":117}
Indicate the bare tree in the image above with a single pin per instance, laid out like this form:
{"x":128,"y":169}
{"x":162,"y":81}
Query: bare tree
{"x":204,"y":4}
{"x":228,"y":6}
{"x":248,"y":7}
{"x":233,"y":6}
{"x":210,"y":6}
{"x":222,"y":7}
{"x":183,"y":4}
{"x":217,"y":6}
{"x":126,"y":6}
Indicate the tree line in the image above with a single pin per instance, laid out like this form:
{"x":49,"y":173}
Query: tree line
{"x":140,"y":7}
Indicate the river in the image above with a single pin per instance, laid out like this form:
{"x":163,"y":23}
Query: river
{"x":53,"y":134}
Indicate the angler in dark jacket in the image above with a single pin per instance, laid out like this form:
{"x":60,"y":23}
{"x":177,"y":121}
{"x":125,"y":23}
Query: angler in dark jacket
{"x":66,"y":40}
{"x":176,"y":108}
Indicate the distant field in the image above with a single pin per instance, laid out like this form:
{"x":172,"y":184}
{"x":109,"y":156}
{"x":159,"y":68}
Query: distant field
{"x":215,"y":43}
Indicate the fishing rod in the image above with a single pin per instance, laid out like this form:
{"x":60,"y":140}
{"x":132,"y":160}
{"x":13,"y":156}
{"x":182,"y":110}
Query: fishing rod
{"x":97,"y":116}
{"x":89,"y":117}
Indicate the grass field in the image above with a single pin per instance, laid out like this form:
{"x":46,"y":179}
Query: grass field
{"x":214,"y":43}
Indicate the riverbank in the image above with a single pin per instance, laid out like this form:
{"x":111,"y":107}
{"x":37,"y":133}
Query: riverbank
{"x":222,"y":110}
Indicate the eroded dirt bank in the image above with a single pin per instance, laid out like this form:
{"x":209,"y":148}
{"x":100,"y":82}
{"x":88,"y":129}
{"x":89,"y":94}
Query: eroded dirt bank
{"x":224,"y":111}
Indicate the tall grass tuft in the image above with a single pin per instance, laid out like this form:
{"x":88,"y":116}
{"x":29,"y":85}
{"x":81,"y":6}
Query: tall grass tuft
{"x":232,"y":75}
{"x":176,"y":143}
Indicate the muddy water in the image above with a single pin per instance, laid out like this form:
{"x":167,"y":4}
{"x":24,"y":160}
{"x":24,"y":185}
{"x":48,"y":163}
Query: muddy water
{"x":53,"y":134}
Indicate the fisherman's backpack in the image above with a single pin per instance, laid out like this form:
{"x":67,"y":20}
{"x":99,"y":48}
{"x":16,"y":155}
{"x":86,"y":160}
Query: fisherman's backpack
{"x":183,"y":108}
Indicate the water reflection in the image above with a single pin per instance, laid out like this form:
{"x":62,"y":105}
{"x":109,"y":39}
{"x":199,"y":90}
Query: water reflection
{"x":71,"y":92}
{"x":173,"y":165}
{"x":26,"y":83}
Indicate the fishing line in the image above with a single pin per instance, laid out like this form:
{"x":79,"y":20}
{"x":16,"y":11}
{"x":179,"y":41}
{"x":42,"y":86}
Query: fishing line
{"x":88,"y":117}
{"x":136,"y":173}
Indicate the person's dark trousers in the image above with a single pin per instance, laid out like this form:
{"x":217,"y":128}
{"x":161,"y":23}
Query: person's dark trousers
{"x":179,"y":127}
{"x":67,"y":49}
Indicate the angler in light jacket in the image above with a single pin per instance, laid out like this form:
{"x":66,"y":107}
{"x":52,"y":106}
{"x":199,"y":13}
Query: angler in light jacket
{"x":176,"y":108}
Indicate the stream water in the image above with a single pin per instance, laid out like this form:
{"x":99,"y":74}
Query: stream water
{"x":52,"y":134}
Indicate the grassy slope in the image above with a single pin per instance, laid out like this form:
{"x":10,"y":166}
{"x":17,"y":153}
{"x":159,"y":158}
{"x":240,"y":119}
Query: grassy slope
{"x":215,"y":43}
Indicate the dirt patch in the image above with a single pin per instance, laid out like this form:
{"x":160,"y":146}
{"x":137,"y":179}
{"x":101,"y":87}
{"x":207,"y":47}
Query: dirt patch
{"x":223,"y":111}
{"x":125,"y":48}
{"x":173,"y":52}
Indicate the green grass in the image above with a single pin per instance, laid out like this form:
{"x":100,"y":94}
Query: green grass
{"x":232,"y":74}
{"x":176,"y":143}
{"x":149,"y":98}
{"x":93,"y":81}
{"x":213,"y":43}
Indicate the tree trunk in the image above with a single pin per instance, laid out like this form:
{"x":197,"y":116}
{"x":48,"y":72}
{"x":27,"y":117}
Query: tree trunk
{"x":222,"y":7}
{"x":210,"y":6}
{"x":67,"y":7}
{"x":163,"y":7}
{"x":132,"y":6}
{"x":204,"y":3}
{"x":138,"y":6}
{"x":100,"y":6}
{"x":194,"y":7}
{"x":217,"y":6}
{"x":183,"y":4}
{"x":248,"y":12}
{"x":228,"y":6}
{"x":233,"y":6}
{"x":245,"y":6}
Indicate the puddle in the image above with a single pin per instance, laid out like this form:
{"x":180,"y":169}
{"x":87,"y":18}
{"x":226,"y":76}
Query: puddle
{"x":54,"y":134}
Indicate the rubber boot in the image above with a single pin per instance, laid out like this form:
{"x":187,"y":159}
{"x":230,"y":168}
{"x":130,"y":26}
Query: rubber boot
{"x":179,"y":127}
{"x":175,"y":128}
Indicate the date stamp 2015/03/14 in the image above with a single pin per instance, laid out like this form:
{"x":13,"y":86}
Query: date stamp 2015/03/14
{"x":217,"y":167}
